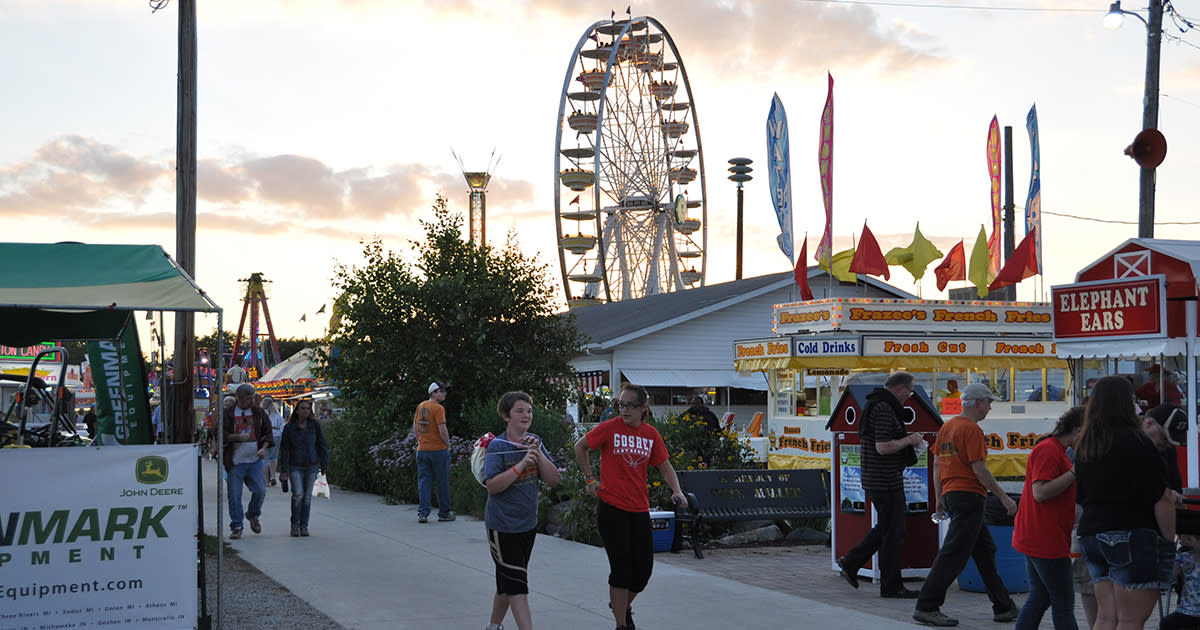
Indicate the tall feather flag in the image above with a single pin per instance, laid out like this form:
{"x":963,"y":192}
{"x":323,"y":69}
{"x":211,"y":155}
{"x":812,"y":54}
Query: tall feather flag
{"x":1033,"y":203}
{"x":868,"y":258}
{"x":825,"y":164}
{"x":801,"y":271}
{"x":993,"y":161}
{"x":779,"y":171}
{"x":1022,"y":264}
{"x":916,"y":257}
{"x":953,"y":267}
{"x":979,"y":272}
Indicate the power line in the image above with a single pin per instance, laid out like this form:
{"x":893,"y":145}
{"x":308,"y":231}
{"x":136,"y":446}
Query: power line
{"x":1095,"y":220}
{"x":921,"y":5}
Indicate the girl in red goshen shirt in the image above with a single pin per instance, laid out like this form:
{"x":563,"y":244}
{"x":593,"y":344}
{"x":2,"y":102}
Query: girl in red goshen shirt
{"x":628,"y":447}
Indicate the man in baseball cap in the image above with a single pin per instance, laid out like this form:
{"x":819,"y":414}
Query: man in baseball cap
{"x":433,"y":454}
{"x":961,"y":483}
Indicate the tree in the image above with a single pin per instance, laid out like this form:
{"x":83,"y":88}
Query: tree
{"x":478,"y":319}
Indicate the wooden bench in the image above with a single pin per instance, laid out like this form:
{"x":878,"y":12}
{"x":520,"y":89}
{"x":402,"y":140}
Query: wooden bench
{"x":748,"y":495}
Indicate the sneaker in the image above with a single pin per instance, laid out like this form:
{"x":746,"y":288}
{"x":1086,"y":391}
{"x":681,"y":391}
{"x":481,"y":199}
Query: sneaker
{"x":422,"y":518}
{"x":851,"y":577}
{"x":255,"y":526}
{"x":903,"y":593}
{"x":303,"y":531}
{"x":235,"y":533}
{"x":934,"y":618}
{"x":447,"y":518}
{"x":494,"y":626}
{"x":1008,"y":615}
{"x":295,"y":530}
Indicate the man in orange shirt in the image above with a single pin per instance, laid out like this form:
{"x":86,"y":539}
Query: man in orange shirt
{"x":433,"y":454}
{"x":961,"y":484}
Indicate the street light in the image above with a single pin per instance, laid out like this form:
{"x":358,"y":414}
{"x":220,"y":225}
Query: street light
{"x":1112,"y":20}
{"x":740,"y":173}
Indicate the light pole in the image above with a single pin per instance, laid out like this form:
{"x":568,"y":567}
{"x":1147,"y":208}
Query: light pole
{"x":1153,"y":26}
{"x":739,"y":172}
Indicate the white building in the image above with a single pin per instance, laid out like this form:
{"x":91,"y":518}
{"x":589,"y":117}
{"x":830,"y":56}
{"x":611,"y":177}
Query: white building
{"x":678,"y":344}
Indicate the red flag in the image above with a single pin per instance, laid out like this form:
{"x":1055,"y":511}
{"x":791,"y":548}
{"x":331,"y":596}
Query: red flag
{"x":868,"y":258}
{"x":801,"y":271}
{"x":1021,"y":265}
{"x":953,"y":267}
{"x":574,"y":201}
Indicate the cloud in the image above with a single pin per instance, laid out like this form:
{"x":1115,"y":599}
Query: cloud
{"x":72,"y":173}
{"x":90,"y":180}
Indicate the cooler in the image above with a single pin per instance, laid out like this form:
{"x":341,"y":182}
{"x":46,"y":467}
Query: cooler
{"x":662,"y":526}
{"x":1010,"y":565}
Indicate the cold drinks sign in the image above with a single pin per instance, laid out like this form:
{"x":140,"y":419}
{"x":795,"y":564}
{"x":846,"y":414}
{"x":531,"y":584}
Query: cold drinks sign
{"x":1134,"y":307}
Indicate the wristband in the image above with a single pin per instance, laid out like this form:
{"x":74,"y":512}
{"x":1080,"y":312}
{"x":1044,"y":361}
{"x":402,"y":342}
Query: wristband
{"x":589,"y":481}
{"x":515,"y":471}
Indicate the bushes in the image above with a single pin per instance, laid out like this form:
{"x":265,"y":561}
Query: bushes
{"x":348,"y":439}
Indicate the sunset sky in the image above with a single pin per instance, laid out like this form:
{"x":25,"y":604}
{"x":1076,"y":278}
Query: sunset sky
{"x":325,"y":122}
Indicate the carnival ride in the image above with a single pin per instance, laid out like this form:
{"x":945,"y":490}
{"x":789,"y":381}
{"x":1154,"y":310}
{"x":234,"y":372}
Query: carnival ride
{"x":627,"y":150}
{"x":253,"y":360}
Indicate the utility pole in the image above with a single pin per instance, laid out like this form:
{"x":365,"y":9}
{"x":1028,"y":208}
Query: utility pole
{"x":183,"y":420}
{"x":1009,"y":292}
{"x":1150,"y":116}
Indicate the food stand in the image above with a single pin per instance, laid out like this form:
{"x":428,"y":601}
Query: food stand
{"x":823,"y":346}
{"x":1132,"y":308}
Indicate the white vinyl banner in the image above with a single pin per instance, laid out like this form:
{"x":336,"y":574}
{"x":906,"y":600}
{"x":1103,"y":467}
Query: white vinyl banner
{"x":98,"y":537}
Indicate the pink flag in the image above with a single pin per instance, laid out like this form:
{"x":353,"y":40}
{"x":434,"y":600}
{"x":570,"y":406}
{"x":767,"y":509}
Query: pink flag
{"x":825,"y":163}
{"x":993,"y":160}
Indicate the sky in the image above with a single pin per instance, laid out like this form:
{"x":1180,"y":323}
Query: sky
{"x":324,"y":123}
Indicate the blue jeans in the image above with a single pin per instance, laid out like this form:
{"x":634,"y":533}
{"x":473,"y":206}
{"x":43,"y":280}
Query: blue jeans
{"x":1051,"y":585}
{"x":252,"y":475}
{"x":302,"y":478}
{"x":965,"y":538}
{"x":1135,"y":559}
{"x":431,"y":466}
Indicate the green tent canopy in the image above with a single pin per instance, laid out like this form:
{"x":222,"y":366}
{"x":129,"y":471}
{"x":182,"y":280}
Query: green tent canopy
{"x":74,"y":291}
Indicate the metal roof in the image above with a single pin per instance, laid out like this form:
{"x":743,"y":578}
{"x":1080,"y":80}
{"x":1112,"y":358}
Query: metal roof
{"x":613,"y":323}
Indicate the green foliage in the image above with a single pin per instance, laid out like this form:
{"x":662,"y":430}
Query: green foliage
{"x":579,"y":514}
{"x":477,"y":318}
{"x":694,"y":446}
{"x":348,"y":438}
{"x":468,"y":495}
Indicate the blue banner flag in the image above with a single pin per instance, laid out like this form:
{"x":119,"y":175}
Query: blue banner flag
{"x":1033,"y":203}
{"x":780,"y":172}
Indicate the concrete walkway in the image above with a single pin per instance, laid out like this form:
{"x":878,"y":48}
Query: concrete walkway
{"x":369,"y":566}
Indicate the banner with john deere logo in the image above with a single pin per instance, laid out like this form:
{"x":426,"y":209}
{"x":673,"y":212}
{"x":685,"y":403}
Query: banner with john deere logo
{"x":99,"y":537}
{"x":122,"y":409}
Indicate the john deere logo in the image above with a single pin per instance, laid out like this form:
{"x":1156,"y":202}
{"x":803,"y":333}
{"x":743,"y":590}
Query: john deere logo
{"x":151,"y":469}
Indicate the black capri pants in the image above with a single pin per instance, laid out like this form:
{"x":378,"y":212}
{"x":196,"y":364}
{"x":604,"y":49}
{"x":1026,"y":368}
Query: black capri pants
{"x":629,"y":544}
{"x":511,"y":554}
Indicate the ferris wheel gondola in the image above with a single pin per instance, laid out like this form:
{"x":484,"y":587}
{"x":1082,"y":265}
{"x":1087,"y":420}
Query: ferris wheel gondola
{"x":629,"y":205}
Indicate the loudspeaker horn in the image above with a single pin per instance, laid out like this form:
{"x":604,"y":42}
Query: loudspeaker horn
{"x":1149,"y":148}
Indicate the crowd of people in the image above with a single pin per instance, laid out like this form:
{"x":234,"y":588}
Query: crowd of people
{"x":1098,"y":517}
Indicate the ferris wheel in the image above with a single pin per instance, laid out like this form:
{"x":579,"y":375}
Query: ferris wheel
{"x":629,"y":200}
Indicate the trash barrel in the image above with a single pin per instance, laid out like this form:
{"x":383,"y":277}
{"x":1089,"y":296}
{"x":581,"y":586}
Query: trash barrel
{"x":1010,"y":563}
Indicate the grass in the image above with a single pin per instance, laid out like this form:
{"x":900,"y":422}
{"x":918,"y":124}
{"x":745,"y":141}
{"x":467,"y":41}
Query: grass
{"x":210,"y":546}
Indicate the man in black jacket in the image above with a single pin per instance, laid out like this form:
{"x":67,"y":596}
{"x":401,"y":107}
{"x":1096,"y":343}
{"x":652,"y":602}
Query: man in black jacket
{"x":247,"y":431}
{"x":887,"y":448}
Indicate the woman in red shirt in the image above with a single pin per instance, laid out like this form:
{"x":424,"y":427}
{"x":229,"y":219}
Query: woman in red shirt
{"x":1042,"y":530}
{"x":628,"y":447}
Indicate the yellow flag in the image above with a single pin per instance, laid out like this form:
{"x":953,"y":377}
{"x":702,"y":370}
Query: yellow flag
{"x":841,"y":266}
{"x":916,"y":257}
{"x":979,"y":270}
